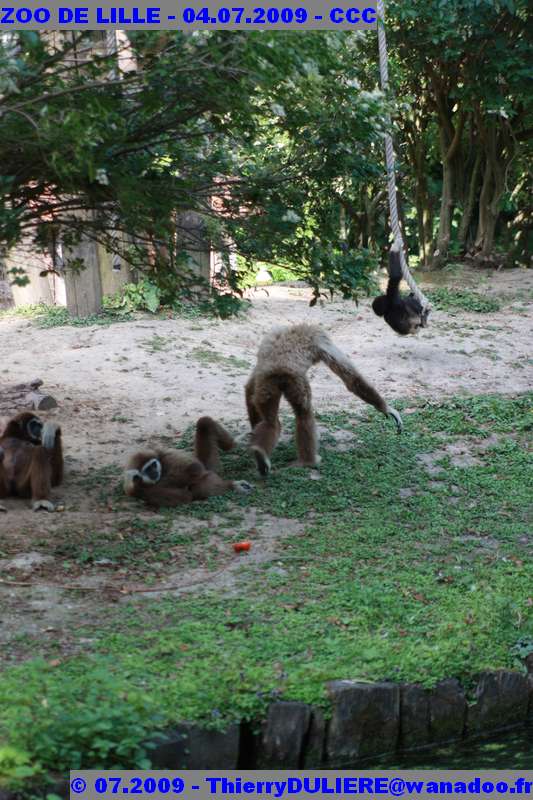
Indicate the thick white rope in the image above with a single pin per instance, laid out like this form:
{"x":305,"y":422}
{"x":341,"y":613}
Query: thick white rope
{"x":389,"y":160}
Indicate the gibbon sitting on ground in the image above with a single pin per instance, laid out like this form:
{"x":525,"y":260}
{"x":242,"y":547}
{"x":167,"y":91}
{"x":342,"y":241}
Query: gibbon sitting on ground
{"x":171,"y":477}
{"x":285,"y":355}
{"x":31,"y":460}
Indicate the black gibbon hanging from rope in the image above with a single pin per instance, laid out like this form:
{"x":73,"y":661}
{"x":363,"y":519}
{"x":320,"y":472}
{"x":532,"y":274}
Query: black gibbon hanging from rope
{"x":408,"y":314}
{"x":405,"y":315}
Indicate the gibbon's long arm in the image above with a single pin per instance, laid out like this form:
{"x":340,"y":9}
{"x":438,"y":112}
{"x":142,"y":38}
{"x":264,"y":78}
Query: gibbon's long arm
{"x":340,"y":364}
{"x":395,"y":276}
{"x":158,"y":497}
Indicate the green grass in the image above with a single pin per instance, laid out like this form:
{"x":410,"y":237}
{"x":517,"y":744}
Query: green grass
{"x":45,"y":316}
{"x":157,"y":344}
{"x":208,"y":356}
{"x":463,"y":300}
{"x":381,"y":584}
{"x":57,"y":316}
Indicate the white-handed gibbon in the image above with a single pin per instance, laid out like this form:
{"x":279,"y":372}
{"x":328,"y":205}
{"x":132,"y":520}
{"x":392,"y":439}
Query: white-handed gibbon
{"x":31,"y":459}
{"x":405,"y":315}
{"x":168,"y":478}
{"x":285,"y":355}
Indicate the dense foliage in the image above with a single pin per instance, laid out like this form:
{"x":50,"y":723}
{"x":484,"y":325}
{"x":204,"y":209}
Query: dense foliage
{"x":273,"y":141}
{"x":232,"y":126}
{"x":463,"y":70}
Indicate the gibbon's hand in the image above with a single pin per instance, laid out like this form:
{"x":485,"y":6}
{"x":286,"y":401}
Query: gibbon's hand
{"x":43,"y":505}
{"x":391,"y":412}
{"x":243,"y":487}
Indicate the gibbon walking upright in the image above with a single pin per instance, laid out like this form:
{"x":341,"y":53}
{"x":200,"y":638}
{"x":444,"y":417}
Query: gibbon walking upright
{"x":285,"y":355}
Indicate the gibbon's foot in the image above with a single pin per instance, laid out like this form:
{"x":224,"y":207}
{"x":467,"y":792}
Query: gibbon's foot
{"x":262,"y":460}
{"x":391,"y":412}
{"x":243,"y":438}
{"x":3,"y":508}
{"x":243,"y":487}
{"x":311,"y":464}
{"x":43,"y":505}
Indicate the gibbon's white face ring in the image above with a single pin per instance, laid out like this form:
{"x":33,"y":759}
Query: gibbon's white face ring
{"x":153,"y":464}
{"x":48,"y":435}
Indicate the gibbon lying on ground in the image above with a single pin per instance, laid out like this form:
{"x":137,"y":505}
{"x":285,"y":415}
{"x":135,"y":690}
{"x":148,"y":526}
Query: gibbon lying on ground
{"x":285,"y":355}
{"x":405,"y":315}
{"x":31,"y":459}
{"x":171,"y":478}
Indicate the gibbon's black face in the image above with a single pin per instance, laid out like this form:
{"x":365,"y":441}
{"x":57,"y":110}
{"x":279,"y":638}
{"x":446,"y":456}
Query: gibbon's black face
{"x":34,"y":429}
{"x":405,"y":315}
{"x":151,"y":471}
{"x":142,"y":472}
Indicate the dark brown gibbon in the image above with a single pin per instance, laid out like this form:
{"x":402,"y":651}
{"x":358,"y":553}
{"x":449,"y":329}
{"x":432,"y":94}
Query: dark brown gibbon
{"x":167,"y":478}
{"x":31,"y":459}
{"x":284,"y":358}
{"x":405,"y":315}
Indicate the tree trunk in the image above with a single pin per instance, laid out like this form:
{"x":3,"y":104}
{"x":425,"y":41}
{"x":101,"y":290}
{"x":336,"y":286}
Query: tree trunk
{"x":415,"y":133}
{"x":497,"y":158}
{"x":451,"y":126}
{"x":424,"y":218}
{"x":446,"y":205}
{"x":445,"y":217}
{"x":371,"y":210}
{"x":483,"y":223}
{"x":468,"y":210}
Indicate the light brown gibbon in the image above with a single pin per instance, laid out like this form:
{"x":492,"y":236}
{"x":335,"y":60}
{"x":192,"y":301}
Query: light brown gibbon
{"x":31,"y":459}
{"x":285,"y":355}
{"x":164,"y":478}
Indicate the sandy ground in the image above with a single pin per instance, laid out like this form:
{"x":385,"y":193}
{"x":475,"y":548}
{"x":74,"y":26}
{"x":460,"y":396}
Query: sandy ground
{"x":148,"y":379}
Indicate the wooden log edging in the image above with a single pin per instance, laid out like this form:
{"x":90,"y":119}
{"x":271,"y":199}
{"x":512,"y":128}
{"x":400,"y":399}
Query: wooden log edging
{"x":25,"y":396}
{"x":368,"y":721}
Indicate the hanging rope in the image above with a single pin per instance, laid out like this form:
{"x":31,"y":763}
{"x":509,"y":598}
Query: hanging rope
{"x":391,"y":172}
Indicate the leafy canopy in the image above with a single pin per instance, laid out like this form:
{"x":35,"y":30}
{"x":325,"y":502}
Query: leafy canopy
{"x":276,"y":129}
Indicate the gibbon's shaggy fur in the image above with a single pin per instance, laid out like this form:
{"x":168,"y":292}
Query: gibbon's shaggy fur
{"x":284,"y":358}
{"x":31,"y":459}
{"x":405,"y":315}
{"x":172,"y":478}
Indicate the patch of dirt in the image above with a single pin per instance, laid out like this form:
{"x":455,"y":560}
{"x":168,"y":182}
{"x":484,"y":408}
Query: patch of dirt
{"x":344,"y":440}
{"x":265,"y":534}
{"x":36,"y":602}
{"x":461,"y":453}
{"x":146,"y":381}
